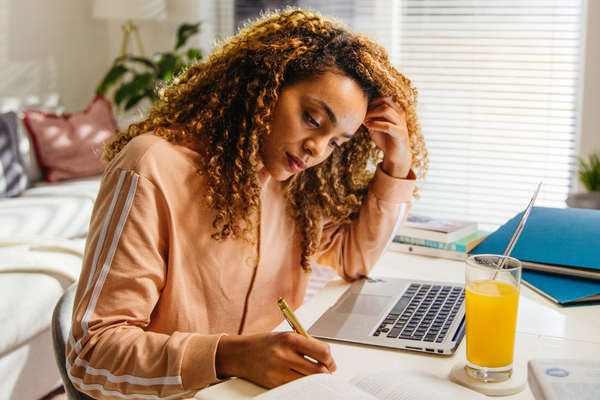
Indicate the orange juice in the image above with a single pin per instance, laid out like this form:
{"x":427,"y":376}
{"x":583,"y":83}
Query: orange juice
{"x":491,"y":323}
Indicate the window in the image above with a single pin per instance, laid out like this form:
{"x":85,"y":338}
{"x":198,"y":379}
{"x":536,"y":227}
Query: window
{"x":498,"y":89}
{"x":498,"y":96}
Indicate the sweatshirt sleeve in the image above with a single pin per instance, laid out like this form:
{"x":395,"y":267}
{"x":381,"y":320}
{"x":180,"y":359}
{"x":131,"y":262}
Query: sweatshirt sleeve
{"x":353,"y":249}
{"x":111,"y":354}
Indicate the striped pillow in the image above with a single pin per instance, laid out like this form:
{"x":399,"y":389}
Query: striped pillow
{"x":13,"y":177}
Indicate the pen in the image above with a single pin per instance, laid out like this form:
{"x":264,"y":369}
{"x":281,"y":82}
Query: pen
{"x":291,"y":318}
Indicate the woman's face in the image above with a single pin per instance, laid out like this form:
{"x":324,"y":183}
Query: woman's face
{"x":310,"y":119}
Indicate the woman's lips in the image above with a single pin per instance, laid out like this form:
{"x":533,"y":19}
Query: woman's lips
{"x":296,"y":164}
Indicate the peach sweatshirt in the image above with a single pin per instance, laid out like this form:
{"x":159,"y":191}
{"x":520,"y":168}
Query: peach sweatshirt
{"x":156,"y":293}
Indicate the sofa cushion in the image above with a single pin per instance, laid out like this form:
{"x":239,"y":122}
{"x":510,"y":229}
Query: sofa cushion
{"x":50,"y":103}
{"x":29,"y":372}
{"x":69,"y":146}
{"x":59,"y":209}
{"x":13,"y":176}
{"x":26,"y":306}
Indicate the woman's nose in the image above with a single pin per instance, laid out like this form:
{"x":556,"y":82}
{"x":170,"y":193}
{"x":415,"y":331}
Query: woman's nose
{"x":317,"y":146}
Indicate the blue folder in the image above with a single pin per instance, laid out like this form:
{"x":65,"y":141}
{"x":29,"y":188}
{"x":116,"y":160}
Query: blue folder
{"x":562,"y":289}
{"x":563,"y":241}
{"x":568,"y":237}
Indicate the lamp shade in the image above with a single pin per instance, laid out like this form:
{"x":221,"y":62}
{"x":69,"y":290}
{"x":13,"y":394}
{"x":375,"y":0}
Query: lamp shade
{"x":130,"y":9}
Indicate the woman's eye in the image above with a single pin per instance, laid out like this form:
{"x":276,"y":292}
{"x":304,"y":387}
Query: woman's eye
{"x":334,"y":144}
{"x":311,"y":120}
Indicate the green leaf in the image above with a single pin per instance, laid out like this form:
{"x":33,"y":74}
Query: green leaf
{"x":138,"y":85}
{"x":110,"y":79}
{"x":185,"y":32}
{"x":142,"y":60}
{"x":121,"y":94}
{"x":153,"y":95}
{"x":589,"y":173}
{"x":167,"y":63}
{"x":133,"y":101}
{"x":136,"y":77}
{"x":142,"y":82}
{"x":194,"y":54}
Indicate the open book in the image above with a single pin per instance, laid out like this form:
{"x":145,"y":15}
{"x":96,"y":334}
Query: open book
{"x":381,"y":384}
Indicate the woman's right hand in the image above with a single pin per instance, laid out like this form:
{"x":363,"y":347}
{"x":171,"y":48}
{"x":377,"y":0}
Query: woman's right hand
{"x":272,"y":359}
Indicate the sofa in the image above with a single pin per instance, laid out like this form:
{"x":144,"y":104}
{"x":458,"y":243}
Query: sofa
{"x":43,"y":226}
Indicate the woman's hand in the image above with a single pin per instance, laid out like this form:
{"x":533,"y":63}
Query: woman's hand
{"x":386,"y":122}
{"x":272,"y":359}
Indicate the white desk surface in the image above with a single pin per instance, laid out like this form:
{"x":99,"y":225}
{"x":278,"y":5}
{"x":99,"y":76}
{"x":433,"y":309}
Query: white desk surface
{"x":544,"y":330}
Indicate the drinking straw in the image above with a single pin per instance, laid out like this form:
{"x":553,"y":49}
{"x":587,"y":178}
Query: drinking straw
{"x":517,"y":232}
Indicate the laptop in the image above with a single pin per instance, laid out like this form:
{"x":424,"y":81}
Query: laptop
{"x":398,"y":313}
{"x":411,"y":315}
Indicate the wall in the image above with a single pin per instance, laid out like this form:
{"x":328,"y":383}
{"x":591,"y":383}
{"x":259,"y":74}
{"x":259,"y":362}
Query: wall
{"x":57,"y":47}
{"x":590,"y":90}
{"x":215,"y":16}
{"x":51,"y":46}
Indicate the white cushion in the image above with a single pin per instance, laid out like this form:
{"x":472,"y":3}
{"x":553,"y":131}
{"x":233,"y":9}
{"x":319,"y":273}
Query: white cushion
{"x":30,"y":371}
{"x":60,"y":210}
{"x":26,"y":306}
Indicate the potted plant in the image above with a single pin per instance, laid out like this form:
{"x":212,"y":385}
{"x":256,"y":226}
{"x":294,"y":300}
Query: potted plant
{"x":589,"y":175}
{"x":132,"y":79}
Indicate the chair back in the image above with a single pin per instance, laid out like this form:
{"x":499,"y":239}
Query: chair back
{"x":61,"y":324}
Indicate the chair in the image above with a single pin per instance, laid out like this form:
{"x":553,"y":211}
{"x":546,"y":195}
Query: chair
{"x":61,"y":323}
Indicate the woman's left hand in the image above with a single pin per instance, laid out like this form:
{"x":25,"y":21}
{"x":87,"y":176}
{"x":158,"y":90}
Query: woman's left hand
{"x":386,"y":122}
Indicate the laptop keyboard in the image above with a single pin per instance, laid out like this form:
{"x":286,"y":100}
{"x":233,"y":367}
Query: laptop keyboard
{"x":424,"y":313}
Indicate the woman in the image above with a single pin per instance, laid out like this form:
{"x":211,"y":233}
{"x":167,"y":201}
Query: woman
{"x":252,"y":166}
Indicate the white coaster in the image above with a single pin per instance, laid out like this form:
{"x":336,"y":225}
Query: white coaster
{"x":516,"y":383}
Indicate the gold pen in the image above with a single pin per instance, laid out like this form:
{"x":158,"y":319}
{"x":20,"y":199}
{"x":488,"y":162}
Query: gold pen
{"x":291,"y":318}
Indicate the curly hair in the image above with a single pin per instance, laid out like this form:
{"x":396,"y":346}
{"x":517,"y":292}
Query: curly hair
{"x":225,"y":104}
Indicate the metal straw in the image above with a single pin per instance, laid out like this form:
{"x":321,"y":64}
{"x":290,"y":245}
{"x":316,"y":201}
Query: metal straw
{"x":517,"y":232}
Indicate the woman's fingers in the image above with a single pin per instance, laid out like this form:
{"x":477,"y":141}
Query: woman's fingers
{"x":386,"y":110}
{"x":272,"y":359}
{"x":307,"y":356}
{"x":385,"y":127}
{"x":318,"y":351}
{"x":386,"y":122}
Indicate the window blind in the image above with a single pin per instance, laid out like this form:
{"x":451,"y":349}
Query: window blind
{"x":498,"y":89}
{"x":498,"y":96}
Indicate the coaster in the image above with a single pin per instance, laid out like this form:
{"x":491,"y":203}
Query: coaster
{"x":516,"y":383}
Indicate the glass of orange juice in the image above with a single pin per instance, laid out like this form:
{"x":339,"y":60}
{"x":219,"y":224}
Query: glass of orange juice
{"x":492,"y":299}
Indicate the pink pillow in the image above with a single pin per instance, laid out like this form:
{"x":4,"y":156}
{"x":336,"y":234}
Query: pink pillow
{"x":69,"y":146}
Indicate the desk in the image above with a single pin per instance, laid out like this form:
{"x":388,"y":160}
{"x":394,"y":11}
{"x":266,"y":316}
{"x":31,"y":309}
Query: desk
{"x":544,"y":330}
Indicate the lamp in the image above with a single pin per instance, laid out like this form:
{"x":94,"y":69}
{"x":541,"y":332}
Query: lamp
{"x":130,"y":10}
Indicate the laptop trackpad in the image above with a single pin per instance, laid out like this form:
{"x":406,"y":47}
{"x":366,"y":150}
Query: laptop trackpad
{"x":363,"y":304}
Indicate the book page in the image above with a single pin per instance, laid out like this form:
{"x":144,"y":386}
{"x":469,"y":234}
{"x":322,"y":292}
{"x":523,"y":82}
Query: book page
{"x":315,"y":387}
{"x":411,"y":385}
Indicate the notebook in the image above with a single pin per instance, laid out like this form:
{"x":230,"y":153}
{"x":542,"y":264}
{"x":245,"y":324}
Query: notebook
{"x":398,"y":313}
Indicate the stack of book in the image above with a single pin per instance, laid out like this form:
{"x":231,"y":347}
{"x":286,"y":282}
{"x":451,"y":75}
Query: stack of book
{"x":436,"y":237}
